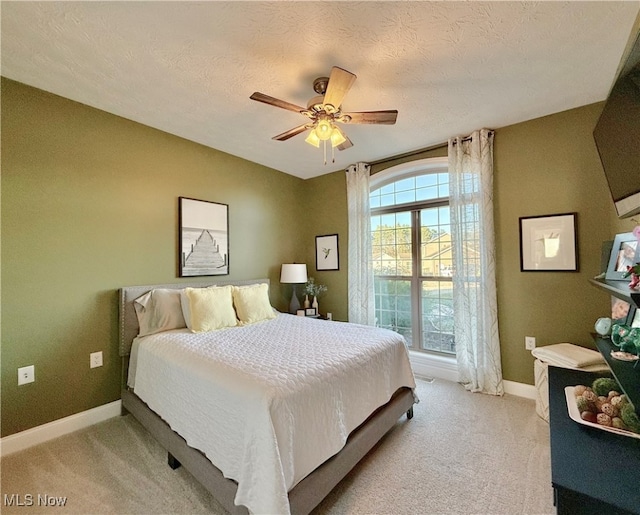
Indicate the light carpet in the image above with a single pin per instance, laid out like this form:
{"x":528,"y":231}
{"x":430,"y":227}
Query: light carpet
{"x":461,"y":453}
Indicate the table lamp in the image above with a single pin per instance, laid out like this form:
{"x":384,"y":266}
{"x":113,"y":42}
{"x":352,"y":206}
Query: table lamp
{"x":293,"y":273}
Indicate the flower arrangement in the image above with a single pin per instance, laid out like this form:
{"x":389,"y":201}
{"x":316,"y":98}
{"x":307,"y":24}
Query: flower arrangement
{"x":311,"y":288}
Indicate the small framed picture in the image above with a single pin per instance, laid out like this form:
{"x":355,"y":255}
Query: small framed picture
{"x":301,"y":312}
{"x":327,"y":252}
{"x":310,"y":312}
{"x":549,"y":243}
{"x":619,"y":310}
{"x":625,"y":252}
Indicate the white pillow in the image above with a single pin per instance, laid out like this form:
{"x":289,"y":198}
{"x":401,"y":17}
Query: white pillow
{"x":252,"y":303}
{"x":159,"y":310}
{"x":211,"y":308}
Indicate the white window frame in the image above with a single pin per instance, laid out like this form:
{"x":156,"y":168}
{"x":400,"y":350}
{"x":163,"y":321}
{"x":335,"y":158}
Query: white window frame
{"x":423,"y":364}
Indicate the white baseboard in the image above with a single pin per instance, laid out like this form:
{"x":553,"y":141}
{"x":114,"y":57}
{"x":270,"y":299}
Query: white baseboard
{"x":441,"y":367}
{"x":527,"y":391}
{"x":40,"y":434}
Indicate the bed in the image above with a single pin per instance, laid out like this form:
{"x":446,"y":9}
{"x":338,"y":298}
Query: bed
{"x":265,"y":419}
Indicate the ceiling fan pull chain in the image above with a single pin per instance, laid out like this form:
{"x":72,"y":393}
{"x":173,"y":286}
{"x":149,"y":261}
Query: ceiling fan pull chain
{"x":333,"y":154}
{"x":325,"y":151}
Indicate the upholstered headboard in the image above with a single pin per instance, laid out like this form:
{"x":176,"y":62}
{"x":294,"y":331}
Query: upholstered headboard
{"x":127,"y":319}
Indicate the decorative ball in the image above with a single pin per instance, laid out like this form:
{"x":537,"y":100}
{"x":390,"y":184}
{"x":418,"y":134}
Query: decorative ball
{"x":604,"y":420}
{"x":603,"y":326}
{"x":580,"y":389}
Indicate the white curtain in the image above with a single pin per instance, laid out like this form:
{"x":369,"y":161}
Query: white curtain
{"x":474,"y":284}
{"x":360,"y":271}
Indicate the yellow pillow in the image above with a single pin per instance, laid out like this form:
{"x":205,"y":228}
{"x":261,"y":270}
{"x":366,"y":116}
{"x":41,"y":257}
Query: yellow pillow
{"x":211,"y":308}
{"x":252,"y":303}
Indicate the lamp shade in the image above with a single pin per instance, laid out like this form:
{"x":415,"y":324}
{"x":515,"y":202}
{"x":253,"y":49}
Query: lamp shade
{"x":337,"y":138}
{"x":293,"y":273}
{"x":313,"y":139}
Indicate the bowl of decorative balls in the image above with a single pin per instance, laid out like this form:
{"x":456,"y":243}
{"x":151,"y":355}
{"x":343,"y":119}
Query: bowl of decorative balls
{"x":601,"y":405}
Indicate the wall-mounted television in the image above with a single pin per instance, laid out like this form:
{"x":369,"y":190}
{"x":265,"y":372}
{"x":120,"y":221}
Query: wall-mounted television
{"x":617,"y":136}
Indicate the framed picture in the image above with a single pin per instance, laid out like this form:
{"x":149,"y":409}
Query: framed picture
{"x":301,"y":312}
{"x":327,"y":252}
{"x":619,"y":310}
{"x":624,"y":252}
{"x":203,"y":236}
{"x":310,"y":312}
{"x":549,"y":243}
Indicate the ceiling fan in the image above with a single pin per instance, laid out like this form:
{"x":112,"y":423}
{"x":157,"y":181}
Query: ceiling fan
{"x":324,"y":111}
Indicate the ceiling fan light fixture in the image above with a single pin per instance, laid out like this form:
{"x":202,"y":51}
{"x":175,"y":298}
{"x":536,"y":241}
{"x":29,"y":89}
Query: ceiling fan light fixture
{"x":323,"y":129}
{"x":325,"y":110}
{"x":337,"y":137}
{"x":313,"y":139}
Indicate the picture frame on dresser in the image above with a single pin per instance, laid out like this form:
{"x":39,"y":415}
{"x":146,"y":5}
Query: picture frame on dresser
{"x":203,"y":238}
{"x":620,"y":310}
{"x":624,"y":252}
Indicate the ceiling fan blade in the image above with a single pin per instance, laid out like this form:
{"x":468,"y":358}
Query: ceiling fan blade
{"x":261,"y":97}
{"x":340,"y":82}
{"x":380,"y":117}
{"x":345,"y":144}
{"x":291,"y":133}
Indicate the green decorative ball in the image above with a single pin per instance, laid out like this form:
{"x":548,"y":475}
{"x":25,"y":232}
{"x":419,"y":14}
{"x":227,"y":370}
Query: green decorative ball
{"x":630,"y":417}
{"x":603,"y":385}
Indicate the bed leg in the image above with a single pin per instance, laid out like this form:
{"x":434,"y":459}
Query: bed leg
{"x":172,"y":461}
{"x":410,"y":413}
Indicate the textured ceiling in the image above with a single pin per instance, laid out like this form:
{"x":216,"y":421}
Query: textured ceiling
{"x":188,"y":68}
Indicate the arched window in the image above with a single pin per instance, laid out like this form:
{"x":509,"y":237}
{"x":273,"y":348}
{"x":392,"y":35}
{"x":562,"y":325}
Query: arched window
{"x":412,"y":253}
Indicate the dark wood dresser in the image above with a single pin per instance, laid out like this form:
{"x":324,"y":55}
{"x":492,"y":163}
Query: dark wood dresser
{"x":593,"y":472}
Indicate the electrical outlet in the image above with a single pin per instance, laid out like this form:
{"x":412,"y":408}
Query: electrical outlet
{"x":95,"y":359}
{"x":529,"y":342}
{"x":26,"y":375}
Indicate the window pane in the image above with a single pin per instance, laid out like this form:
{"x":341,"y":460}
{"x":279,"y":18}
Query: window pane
{"x":437,"y":316}
{"x":391,"y":244}
{"x":430,"y":179}
{"x":443,"y":190}
{"x":393,"y":306}
{"x":405,"y":197}
{"x":387,"y":200}
{"x":436,"y":253}
{"x":405,"y":184}
{"x":386,"y":190}
{"x":427,"y":193}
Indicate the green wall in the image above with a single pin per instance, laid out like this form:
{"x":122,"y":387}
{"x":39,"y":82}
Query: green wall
{"x":90,"y":204}
{"x":326,"y":213}
{"x":547,"y":166}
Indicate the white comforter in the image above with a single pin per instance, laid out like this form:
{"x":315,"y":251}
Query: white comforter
{"x":269,"y":402}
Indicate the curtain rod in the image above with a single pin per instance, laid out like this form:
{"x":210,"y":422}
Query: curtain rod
{"x":408,"y":154}
{"x":420,"y":151}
